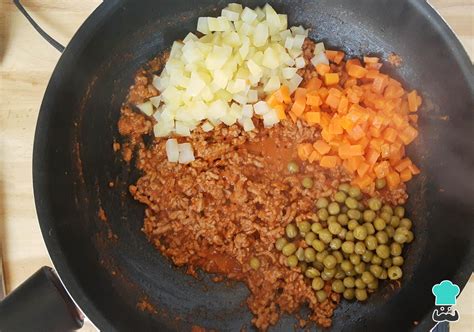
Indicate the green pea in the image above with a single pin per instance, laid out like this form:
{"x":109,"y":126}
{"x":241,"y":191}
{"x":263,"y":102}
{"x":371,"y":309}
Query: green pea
{"x":387,"y":209}
{"x":342,"y":234}
{"x":303,"y":266}
{"x":354,"y":214}
{"x":346,"y":266}
{"x":351,"y":273}
{"x":376,"y":260}
{"x":379,"y":224}
{"x":332,"y":219}
{"x":410,"y":237}
{"x":335,"y":244}
{"x":347,"y":247}
{"x":367,"y":277}
{"x":406,"y":223}
{"x":359,"y":248}
{"x":340,"y":197}
{"x":309,"y":238}
{"x":383,"y":251}
{"x":394,"y":273}
{"x":292,"y":261}
{"x":359,"y":284}
{"x":360,"y":268}
{"x":289,"y":249}
{"x":376,"y":270}
{"x":361,"y":294}
{"x":349,"y":282}
{"x":397,"y":261}
{"x":293,"y":167}
{"x":349,"y":294}
{"x":400,"y":235}
{"x":343,"y":219}
{"x":291,"y":231}
{"x":338,"y":255}
{"x":349,"y":236}
{"x":338,"y":286}
{"x":280,"y":243}
{"x":309,"y":255}
{"x":395,"y":249}
{"x":370,"y":228}
{"x":399,"y":211}
{"x":383,"y":275}
{"x":386,"y":217}
{"x":380,"y":183}
{"x":316,"y":227}
{"x":304,"y":226}
{"x":334,"y":208}
{"x":321,"y":255}
{"x":344,"y":187}
{"x":381,"y":237}
{"x":317,"y":283}
{"x":360,"y":233}
{"x":352,"y":224}
{"x":395,"y":221}
{"x":387,"y":262}
{"x":339,"y":274}
{"x":307,"y":182}
{"x":323,"y":214}
{"x":371,"y":242}
{"x":369,"y":215}
{"x":325,"y":236}
{"x":334,"y":228}
{"x":374,"y":204}
{"x":311,"y":273}
{"x":300,"y":254}
{"x":322,"y":203}
{"x":367,"y":256}
{"x":328,"y":274}
{"x":354,"y":192}
{"x":390,"y":231}
{"x":254,"y":263}
{"x":373,"y":285}
{"x":355,"y":259}
{"x":318,"y":245}
{"x":321,"y":296}
{"x":330,"y":261}
{"x":351,"y":203}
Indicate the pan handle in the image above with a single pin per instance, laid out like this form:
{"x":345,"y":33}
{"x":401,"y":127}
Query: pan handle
{"x":40,"y":304}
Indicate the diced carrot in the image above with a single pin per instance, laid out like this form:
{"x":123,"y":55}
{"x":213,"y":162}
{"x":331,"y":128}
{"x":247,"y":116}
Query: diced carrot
{"x":329,"y":161}
{"x":379,"y":84}
{"x":298,"y":109}
{"x":330,"y":55}
{"x":356,"y":71}
{"x":351,"y":62}
{"x":375,"y":132}
{"x":371,"y":59}
{"x":343,"y":105}
{"x":390,"y":134}
{"x":405,"y":175}
{"x":354,"y":163}
{"x":372,"y":74}
{"x":376,"y":144}
{"x":335,"y":127}
{"x":323,"y":93}
{"x":272,"y":101}
{"x":304,"y":150}
{"x":322,"y":69}
{"x":413,"y":118}
{"x":283,"y":95}
{"x":362,"y":169}
{"x":322,"y":147}
{"x":346,"y":151}
{"x":280,"y":110}
{"x":313,"y":84}
{"x":332,"y":101}
{"x":412,"y":101}
{"x":403,"y":164}
{"x":414,"y":170}
{"x":375,"y":66}
{"x":346,"y":123}
{"x":339,"y":57}
{"x":331,"y":78}
{"x":351,"y":81}
{"x":393,"y":180}
{"x":312,"y":117}
{"x":293,"y":116}
{"x":372,"y":156}
{"x":313,"y":99}
{"x":300,"y":94}
{"x":408,"y":135}
{"x":356,"y":133}
{"x":382,"y":169}
{"x":314,"y":156}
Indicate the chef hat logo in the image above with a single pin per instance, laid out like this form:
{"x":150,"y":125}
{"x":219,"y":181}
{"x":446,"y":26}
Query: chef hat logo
{"x":445,"y":293}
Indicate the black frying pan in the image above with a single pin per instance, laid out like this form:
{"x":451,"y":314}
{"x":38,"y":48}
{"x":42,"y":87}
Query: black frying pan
{"x":74,"y":163}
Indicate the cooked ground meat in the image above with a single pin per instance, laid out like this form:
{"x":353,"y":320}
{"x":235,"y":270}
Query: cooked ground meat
{"x":232,"y":203}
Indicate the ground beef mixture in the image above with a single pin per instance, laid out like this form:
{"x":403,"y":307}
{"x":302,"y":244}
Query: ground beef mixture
{"x":232,"y":203}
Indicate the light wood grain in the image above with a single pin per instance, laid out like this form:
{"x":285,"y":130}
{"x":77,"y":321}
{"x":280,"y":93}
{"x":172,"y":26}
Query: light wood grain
{"x":26,"y":63}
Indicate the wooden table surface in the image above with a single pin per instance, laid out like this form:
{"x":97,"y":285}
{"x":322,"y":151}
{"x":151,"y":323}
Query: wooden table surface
{"x":26,"y":63}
